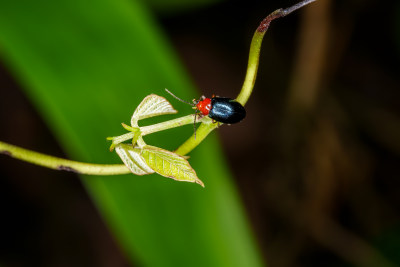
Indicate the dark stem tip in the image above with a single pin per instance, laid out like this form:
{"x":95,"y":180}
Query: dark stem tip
{"x":280,"y":13}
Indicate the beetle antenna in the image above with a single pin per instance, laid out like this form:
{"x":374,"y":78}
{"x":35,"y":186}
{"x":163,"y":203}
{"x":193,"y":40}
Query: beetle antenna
{"x":179,"y":98}
{"x":192,"y":104}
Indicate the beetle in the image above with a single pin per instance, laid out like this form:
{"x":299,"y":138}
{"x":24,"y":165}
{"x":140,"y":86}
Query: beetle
{"x":219,"y":109}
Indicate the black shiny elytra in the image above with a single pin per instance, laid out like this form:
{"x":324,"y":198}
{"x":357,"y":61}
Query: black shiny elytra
{"x":226,"y":110}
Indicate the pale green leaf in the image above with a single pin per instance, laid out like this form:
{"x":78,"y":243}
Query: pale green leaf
{"x":169,"y":164}
{"x":152,"y":105}
{"x":132,"y":159}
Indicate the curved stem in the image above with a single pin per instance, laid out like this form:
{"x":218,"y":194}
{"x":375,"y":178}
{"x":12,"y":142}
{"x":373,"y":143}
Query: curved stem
{"x":255,"y":47}
{"x":251,"y":74}
{"x":201,"y":133}
{"x":252,"y":67}
{"x":61,"y":164}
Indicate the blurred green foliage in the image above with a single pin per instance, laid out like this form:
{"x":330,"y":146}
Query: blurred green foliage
{"x":86,"y":65}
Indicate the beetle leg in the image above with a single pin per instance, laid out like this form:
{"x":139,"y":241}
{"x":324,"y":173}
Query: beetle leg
{"x":214,"y":121}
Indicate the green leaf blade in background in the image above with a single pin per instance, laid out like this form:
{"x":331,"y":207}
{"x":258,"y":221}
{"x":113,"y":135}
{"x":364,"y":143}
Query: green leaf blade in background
{"x":86,"y":65}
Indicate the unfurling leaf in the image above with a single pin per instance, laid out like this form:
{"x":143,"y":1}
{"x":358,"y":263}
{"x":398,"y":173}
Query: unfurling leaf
{"x":131,"y":157}
{"x":169,"y":164}
{"x":152,"y":105}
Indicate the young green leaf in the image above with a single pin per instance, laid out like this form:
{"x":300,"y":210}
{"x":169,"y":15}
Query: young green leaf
{"x":152,"y":105}
{"x":134,"y":134}
{"x":169,"y":164}
{"x":132,"y":159}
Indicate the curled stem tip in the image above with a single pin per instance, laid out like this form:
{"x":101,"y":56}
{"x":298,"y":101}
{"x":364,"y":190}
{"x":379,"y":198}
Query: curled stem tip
{"x":280,"y":13}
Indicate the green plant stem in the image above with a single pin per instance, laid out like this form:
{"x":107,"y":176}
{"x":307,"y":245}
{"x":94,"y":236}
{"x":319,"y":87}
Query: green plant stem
{"x":168,"y":125}
{"x":89,"y":168}
{"x":250,"y":78}
{"x":201,"y":133}
{"x":255,"y":47}
{"x":252,"y":67}
{"x":61,"y":164}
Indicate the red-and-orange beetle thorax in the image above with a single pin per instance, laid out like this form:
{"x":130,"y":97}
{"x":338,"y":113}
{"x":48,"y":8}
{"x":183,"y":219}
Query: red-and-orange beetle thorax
{"x":204,"y":106}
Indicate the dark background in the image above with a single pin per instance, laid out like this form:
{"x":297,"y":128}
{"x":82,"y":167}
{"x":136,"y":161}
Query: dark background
{"x":316,"y":160}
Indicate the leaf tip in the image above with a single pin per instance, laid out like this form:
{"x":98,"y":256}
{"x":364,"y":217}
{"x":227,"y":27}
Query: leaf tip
{"x":198,"y":181}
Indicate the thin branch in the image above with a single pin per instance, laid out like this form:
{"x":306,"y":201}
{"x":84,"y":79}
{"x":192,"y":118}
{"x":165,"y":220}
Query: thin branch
{"x":61,"y":164}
